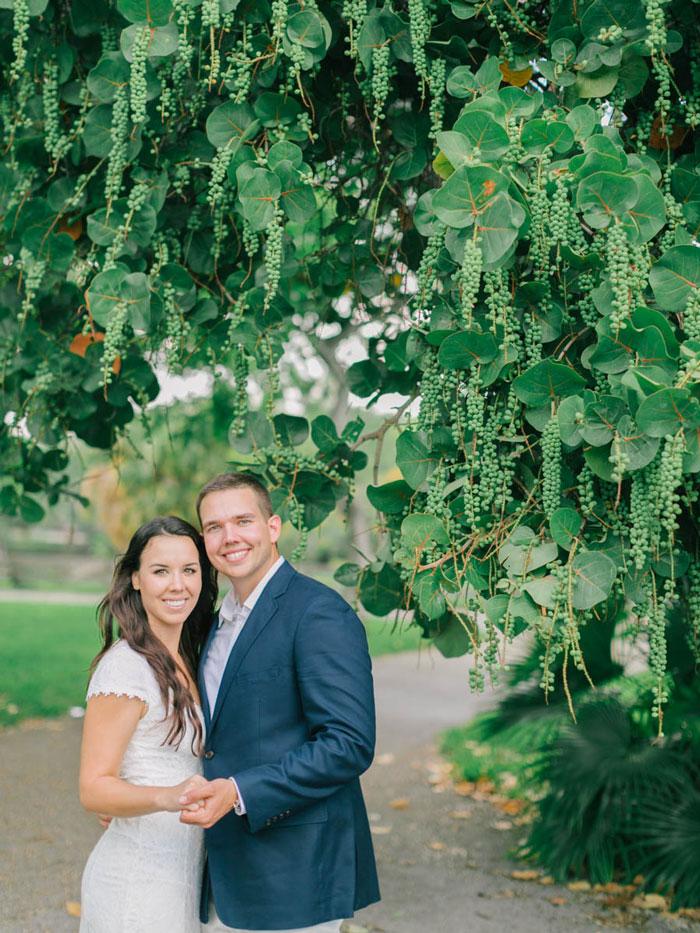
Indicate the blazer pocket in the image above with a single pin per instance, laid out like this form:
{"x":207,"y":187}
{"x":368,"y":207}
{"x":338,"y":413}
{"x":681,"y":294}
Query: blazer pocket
{"x":253,"y":677}
{"x":317,"y":813}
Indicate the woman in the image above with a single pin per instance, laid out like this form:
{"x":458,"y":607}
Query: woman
{"x":143,"y":734}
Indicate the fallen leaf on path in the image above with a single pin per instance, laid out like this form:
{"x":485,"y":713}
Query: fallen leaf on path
{"x":485,"y":785}
{"x":73,"y":908}
{"x":502,"y":825}
{"x":547,"y":880}
{"x":401,"y":803}
{"x":653,"y":902}
{"x":436,"y":846}
{"x":579,"y":886}
{"x":380,"y":830}
{"x":464,"y":788}
{"x":461,"y":814}
{"x":558,"y":900}
{"x":638,"y":879}
{"x":512,"y":807}
{"x":354,"y":928}
{"x":525,"y":874}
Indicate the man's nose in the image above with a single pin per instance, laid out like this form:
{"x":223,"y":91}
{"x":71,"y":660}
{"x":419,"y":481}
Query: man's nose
{"x":230,"y":532}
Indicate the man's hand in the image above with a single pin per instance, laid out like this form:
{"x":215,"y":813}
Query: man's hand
{"x":215,"y":800}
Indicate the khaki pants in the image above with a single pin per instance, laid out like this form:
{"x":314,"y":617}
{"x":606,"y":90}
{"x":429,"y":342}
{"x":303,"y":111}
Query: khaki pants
{"x":216,"y":926}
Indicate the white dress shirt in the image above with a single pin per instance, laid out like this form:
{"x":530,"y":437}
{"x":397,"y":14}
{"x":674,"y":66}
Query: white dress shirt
{"x":232,"y":618}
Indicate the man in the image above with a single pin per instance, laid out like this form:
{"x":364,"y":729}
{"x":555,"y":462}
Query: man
{"x":286,"y":690}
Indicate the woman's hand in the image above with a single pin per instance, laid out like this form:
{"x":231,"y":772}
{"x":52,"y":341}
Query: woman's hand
{"x":170,"y":799}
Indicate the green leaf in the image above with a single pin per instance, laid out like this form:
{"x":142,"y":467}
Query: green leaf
{"x":108,"y":75}
{"x":164,"y":41}
{"x":523,"y":552}
{"x":229,"y":124}
{"x":461,"y":350}
{"x":593,"y":575}
{"x":467,"y":193}
{"x":153,"y":12}
{"x":604,"y":15}
{"x":290,"y":430}
{"x":258,"y":433}
{"x":30,"y":509}
{"x":600,"y":419}
{"x":296,"y":198}
{"x":420,"y":531}
{"x":284,"y":152}
{"x":638,"y":448}
{"x":276,"y":109}
{"x":390,"y":498}
{"x":569,"y":421}
{"x":547,"y":381}
{"x":498,"y":228}
{"x":597,"y":83}
{"x":674,"y":277}
{"x":484,"y":134}
{"x":564,"y":526}
{"x":666,"y":411}
{"x":347,"y":574}
{"x":324,"y":434}
{"x":414,"y":459}
{"x":647,"y":215}
{"x":605,"y":195}
{"x":426,"y":588}
{"x":452,"y":640}
{"x":259,"y":194}
{"x":381,"y":592}
{"x":364,"y":378}
{"x":306,"y":29}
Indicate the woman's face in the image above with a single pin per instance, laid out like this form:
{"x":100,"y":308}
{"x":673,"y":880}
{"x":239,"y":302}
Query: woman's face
{"x":169,"y":580}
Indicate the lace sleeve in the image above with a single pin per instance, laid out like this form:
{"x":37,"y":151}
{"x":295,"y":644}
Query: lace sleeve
{"x":122,"y":672}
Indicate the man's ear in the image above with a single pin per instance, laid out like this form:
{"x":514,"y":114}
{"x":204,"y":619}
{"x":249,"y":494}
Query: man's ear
{"x":274,"y":523}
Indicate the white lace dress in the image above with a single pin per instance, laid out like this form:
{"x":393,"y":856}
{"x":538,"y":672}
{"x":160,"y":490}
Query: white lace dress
{"x":144,"y":875}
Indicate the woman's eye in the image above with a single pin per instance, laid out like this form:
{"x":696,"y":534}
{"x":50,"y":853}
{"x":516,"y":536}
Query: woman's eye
{"x":161,"y":571}
{"x":190,"y":570}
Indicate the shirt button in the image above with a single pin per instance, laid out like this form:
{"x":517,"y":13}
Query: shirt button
{"x":209,"y":754}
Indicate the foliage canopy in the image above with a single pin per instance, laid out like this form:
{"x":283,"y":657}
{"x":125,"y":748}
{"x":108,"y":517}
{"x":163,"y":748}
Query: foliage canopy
{"x":508,"y":194}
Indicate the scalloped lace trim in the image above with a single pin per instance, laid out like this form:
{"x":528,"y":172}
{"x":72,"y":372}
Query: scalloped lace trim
{"x":117,"y":693}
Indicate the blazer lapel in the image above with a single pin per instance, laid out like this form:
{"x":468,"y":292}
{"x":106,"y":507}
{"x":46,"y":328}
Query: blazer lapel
{"x":261,"y":614}
{"x":203,"y":696}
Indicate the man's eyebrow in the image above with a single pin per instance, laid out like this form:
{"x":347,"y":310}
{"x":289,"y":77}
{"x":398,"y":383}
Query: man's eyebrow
{"x":218,"y":521}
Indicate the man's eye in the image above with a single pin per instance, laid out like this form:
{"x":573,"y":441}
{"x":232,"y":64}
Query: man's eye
{"x":244,"y":521}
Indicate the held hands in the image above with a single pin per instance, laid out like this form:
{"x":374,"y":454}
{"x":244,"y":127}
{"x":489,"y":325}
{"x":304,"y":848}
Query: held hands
{"x":215,"y":800}
{"x":172,"y":796}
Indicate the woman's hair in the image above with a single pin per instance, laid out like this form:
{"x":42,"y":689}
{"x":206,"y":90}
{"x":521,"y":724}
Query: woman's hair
{"x":122,"y":609}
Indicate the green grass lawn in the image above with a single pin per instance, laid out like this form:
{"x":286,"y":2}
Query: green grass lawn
{"x":46,"y":650}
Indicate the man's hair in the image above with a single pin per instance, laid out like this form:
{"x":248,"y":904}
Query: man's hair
{"x":237,"y":481}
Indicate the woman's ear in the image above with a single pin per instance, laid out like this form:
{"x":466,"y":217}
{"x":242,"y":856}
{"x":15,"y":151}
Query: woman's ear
{"x":135,"y":580}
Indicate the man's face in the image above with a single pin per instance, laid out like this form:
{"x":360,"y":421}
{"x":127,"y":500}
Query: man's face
{"x":240,"y":540}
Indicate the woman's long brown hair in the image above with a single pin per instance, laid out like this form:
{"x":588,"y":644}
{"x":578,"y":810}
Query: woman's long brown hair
{"x":122,"y":610}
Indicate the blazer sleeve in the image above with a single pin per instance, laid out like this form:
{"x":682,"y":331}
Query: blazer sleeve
{"x":334,"y":678}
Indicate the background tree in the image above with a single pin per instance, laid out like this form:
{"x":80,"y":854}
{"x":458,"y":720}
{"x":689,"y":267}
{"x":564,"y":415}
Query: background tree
{"x":502,"y":200}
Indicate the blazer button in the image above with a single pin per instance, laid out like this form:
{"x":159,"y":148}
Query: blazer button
{"x":209,"y":754}
{"x":267,"y":822}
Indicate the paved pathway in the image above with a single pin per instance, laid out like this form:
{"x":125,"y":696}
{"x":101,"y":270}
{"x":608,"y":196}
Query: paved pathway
{"x":439,"y":873}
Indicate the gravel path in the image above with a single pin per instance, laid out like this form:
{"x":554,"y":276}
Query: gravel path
{"x":439,"y":872}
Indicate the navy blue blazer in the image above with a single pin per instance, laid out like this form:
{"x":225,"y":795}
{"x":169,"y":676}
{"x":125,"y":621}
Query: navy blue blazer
{"x":294,"y":725}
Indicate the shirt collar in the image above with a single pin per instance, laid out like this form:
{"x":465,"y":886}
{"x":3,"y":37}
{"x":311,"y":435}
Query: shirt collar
{"x":230,"y":607}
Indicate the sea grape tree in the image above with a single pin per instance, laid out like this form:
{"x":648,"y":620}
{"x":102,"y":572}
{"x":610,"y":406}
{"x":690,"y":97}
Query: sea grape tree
{"x":508,"y":193}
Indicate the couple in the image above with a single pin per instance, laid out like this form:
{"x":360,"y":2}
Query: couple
{"x":268,"y":765}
